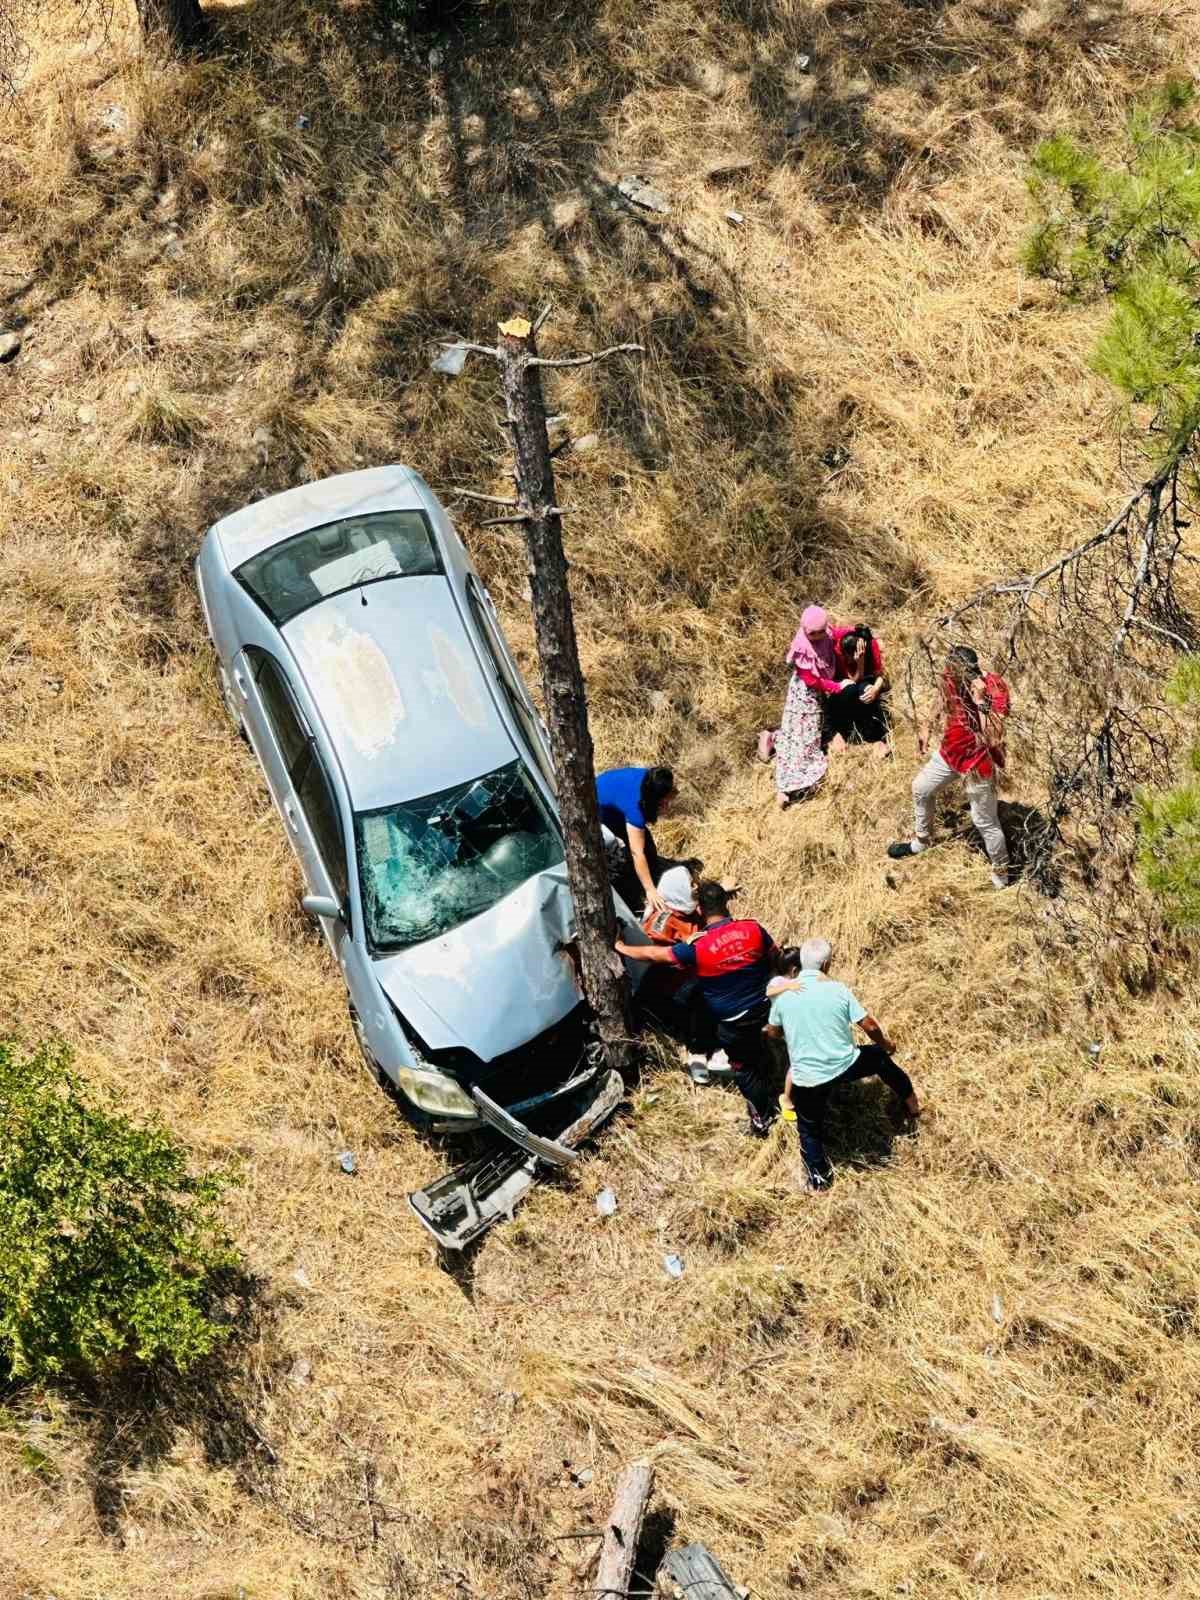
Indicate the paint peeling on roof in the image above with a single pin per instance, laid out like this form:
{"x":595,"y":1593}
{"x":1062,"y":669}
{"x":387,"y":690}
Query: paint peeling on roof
{"x":457,"y":677}
{"x":406,"y":714}
{"x":355,"y":680}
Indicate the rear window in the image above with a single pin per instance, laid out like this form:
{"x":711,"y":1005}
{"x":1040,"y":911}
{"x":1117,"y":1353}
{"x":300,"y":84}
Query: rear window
{"x":311,"y":566}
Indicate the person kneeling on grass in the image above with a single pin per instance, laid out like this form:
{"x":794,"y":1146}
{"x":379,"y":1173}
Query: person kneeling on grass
{"x":732,"y":960}
{"x":814,"y":1014}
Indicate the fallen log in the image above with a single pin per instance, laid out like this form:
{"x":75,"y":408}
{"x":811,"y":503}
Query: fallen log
{"x":623,"y":1531}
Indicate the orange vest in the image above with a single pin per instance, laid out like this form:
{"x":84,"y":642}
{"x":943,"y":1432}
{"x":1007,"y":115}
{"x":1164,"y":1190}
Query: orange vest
{"x":669,"y":927}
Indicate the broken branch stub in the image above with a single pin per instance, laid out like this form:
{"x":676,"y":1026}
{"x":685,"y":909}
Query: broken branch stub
{"x":486,"y":499}
{"x":586,"y":360}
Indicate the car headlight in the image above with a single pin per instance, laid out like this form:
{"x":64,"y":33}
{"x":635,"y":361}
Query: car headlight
{"x":435,"y":1094}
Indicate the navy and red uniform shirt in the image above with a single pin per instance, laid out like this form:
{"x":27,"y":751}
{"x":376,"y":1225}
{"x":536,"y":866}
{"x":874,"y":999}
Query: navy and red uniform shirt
{"x":733,"y":963}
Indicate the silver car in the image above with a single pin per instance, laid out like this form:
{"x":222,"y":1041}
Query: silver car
{"x":361,"y":656}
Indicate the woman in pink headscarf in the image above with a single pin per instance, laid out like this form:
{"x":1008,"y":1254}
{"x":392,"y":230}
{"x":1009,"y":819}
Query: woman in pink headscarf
{"x":800,"y":761}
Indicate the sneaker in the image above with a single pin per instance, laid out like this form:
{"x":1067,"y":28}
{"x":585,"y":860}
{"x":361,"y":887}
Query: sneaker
{"x":903,"y":848}
{"x":759,"y":1127}
{"x":697,"y":1068}
{"x":809,"y":1185}
{"x":766,"y":745}
{"x":720,"y":1065}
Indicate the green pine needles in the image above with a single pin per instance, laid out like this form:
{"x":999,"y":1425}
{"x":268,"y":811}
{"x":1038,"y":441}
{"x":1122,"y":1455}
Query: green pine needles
{"x":1131,"y":230}
{"x":108,"y":1242}
{"x":1169,"y":822}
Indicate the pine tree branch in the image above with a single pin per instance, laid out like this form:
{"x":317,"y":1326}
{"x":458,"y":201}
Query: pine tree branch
{"x":1025,"y":586}
{"x":476,"y":349}
{"x":582,"y":361}
{"x":488,"y":499}
{"x":1140,"y":622}
{"x":1139,"y":581}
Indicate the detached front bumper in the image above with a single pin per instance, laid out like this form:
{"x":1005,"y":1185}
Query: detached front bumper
{"x":492,"y":1113}
{"x":460,"y":1206}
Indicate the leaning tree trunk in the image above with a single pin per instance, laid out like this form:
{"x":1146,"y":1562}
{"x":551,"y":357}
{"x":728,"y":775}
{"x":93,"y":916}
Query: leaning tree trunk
{"x":604,"y":980}
{"x":181,"y":22}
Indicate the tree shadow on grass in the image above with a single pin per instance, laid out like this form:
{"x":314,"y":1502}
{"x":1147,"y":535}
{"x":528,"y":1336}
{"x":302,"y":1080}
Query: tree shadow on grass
{"x":1032,"y":840}
{"x":519,"y":130}
{"x":138,"y":1415}
{"x":523,"y":96}
{"x":891,"y":85}
{"x":859,"y":1126}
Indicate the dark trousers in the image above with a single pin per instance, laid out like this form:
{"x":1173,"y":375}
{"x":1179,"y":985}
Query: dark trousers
{"x":696,"y":1021}
{"x":846,"y":714}
{"x":744,"y":1044}
{"x":810,"y":1105}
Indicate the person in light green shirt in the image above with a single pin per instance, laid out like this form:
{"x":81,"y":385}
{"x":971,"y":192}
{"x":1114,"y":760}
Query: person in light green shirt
{"x":815,"y":1015}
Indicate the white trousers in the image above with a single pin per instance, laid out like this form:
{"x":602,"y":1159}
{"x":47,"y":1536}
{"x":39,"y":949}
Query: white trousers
{"x":981,"y":793}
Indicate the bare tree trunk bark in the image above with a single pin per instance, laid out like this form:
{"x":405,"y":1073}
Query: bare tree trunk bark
{"x":180,"y":21}
{"x":604,"y":980}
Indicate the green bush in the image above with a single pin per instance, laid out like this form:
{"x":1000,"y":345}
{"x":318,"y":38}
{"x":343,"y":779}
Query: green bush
{"x":1168,"y":823}
{"x":1131,"y":229}
{"x":108,"y":1243}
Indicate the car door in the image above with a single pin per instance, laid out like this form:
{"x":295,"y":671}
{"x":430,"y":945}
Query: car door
{"x":508,"y":679}
{"x":328,"y":864}
{"x":278,"y":733}
{"x":304,"y":792}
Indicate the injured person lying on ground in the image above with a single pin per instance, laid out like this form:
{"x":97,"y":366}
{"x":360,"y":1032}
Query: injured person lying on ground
{"x":732,"y":961}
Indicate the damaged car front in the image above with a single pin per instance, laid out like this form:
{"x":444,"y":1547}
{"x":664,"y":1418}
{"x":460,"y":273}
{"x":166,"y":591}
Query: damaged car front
{"x":471,"y":925}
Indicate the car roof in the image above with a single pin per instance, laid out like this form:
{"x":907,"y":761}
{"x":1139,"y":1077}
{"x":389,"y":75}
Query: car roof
{"x":400,"y":690}
{"x":258,"y":526}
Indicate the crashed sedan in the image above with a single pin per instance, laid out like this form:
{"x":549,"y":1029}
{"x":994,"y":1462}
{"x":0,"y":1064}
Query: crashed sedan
{"x":361,"y":656}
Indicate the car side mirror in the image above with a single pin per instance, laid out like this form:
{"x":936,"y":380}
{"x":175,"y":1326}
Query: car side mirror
{"x":323,"y":905}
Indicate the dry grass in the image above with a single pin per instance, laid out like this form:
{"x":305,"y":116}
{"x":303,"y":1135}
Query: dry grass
{"x":972,"y":1370}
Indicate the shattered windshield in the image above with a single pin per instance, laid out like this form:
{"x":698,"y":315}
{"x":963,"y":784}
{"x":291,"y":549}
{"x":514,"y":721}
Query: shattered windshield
{"x":429,"y":865}
{"x":293,"y":575}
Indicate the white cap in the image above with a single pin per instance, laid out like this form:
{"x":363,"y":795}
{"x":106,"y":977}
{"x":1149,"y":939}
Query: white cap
{"x":675,"y":886}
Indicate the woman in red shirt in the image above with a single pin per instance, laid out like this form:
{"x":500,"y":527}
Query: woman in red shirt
{"x":856,"y":712}
{"x":975,"y":708}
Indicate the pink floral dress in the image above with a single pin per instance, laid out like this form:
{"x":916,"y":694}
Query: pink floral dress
{"x":800,"y":762}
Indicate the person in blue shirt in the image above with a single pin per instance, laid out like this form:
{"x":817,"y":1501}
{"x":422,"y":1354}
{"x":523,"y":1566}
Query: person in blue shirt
{"x":631,"y":798}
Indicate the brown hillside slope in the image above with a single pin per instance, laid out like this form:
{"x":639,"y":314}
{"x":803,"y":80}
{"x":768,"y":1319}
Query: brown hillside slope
{"x":971,"y":1370}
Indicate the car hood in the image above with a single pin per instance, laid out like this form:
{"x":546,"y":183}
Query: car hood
{"x":496,"y":982}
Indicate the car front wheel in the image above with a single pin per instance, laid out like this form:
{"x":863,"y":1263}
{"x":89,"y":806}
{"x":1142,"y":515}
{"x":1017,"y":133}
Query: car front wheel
{"x":377,"y":1071}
